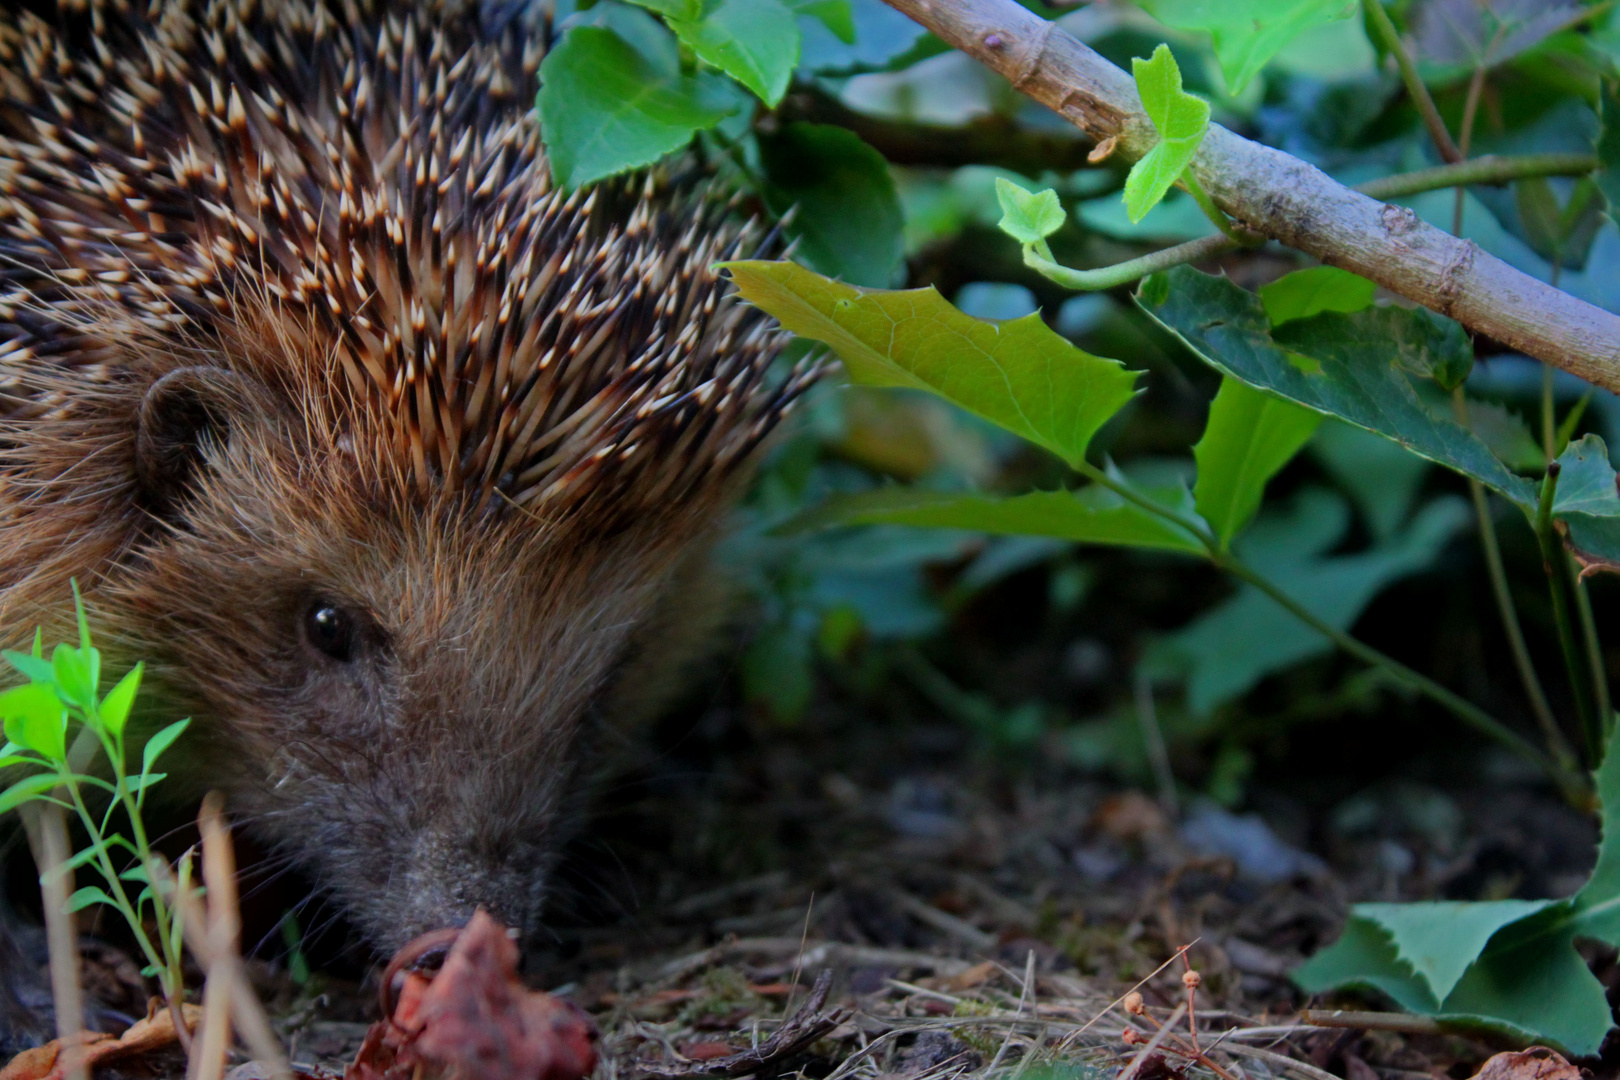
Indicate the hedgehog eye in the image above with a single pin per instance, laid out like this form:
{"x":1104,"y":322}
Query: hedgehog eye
{"x":331,"y":631}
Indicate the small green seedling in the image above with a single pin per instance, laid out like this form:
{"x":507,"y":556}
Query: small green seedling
{"x":54,"y":725}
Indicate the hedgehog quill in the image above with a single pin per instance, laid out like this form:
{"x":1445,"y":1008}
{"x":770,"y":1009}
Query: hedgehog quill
{"x":394,"y":460}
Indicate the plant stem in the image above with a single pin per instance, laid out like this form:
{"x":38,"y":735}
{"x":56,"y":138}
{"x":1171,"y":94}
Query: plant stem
{"x":1419,"y":93}
{"x":1486,"y":169}
{"x":1216,"y":215}
{"x":1464,"y":710}
{"x":1557,"y":744}
{"x":1556,"y":567}
{"x":1491,"y":169}
{"x":1594,"y":653}
{"x":1108,"y":277}
{"x":1568,"y":781}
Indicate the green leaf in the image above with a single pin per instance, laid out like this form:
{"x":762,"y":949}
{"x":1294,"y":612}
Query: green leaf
{"x":90,"y":894}
{"x":1228,"y":649}
{"x":606,"y":107}
{"x":673,"y":9}
{"x":756,"y":42}
{"x":1359,"y":367}
{"x":158,"y":743}
{"x":1250,"y":436}
{"x":1093,"y":515}
{"x":1586,"y":482}
{"x":36,"y":719}
{"x":1314,"y":290}
{"x":74,"y":675}
{"x":1028,"y":216}
{"x":1017,"y":374}
{"x":1378,"y":474}
{"x":1248,"y":33}
{"x":837,"y":16}
{"x":32,"y":668}
{"x":1181,"y":120}
{"x":847,"y":217}
{"x":89,"y":854}
{"x":1440,"y":939}
{"x":1484,"y":964}
{"x":116,"y":705}
{"x":28,"y":789}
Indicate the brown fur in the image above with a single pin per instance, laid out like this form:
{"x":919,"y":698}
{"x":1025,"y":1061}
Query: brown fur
{"x":291,"y":316}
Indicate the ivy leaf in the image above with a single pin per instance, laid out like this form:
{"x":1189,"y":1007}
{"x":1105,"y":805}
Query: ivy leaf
{"x":1181,"y":120}
{"x":847,"y":220}
{"x":756,"y":42}
{"x":1248,"y":33}
{"x":1359,"y":367}
{"x":1017,"y":374}
{"x":1492,"y":965}
{"x":1094,"y":515}
{"x":606,"y":107}
{"x":1028,"y":216}
{"x":1250,"y":436}
{"x":1314,"y":290}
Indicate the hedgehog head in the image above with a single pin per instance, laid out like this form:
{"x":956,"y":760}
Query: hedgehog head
{"x":382,"y":449}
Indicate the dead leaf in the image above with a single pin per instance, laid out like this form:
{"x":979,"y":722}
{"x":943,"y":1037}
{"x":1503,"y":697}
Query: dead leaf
{"x":1536,"y":1063}
{"x":474,"y":1020}
{"x":977,"y":975}
{"x":50,"y":1062}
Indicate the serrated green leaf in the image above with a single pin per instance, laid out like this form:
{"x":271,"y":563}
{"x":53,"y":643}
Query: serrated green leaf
{"x":1311,"y":291}
{"x":1028,"y":216}
{"x":847,"y":218}
{"x":1093,"y":515}
{"x":756,"y":42}
{"x":1248,"y":33}
{"x":90,"y":894}
{"x":1359,"y":367}
{"x":1018,"y":374}
{"x":35,"y":719}
{"x":606,"y":108}
{"x":116,"y":705}
{"x":1181,"y":121}
{"x":1586,"y":479}
{"x":1441,"y":938}
{"x":1528,"y":979}
{"x":160,"y":742}
{"x":1250,"y":436}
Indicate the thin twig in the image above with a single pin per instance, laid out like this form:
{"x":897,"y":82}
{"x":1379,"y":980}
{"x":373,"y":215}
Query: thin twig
{"x":1129,"y":1071}
{"x":46,"y":825}
{"x":1023,"y":999}
{"x":1390,"y":38}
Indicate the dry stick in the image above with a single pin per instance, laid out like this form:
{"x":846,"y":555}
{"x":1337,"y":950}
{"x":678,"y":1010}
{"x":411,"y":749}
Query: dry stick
{"x":1277,"y":195}
{"x":1373,"y":1021}
{"x":47,"y":835}
{"x":213,"y":936}
{"x":1023,"y":997}
{"x":1152,"y":1044}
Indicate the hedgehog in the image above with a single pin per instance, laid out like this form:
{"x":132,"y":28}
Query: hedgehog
{"x":400,"y":465}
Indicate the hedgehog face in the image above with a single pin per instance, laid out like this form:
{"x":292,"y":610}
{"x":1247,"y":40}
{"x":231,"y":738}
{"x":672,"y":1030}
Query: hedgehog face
{"x":398,"y":692}
{"x":374,"y":442}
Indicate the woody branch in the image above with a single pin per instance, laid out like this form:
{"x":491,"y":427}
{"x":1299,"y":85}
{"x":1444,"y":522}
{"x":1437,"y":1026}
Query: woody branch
{"x":1283,"y":198}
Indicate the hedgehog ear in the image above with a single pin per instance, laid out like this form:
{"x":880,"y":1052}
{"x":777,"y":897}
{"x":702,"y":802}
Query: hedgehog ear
{"x":180,"y":414}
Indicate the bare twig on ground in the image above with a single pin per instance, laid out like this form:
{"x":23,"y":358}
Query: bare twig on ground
{"x":798,"y":1032}
{"x":1279,"y":196}
{"x":1372,"y":1021}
